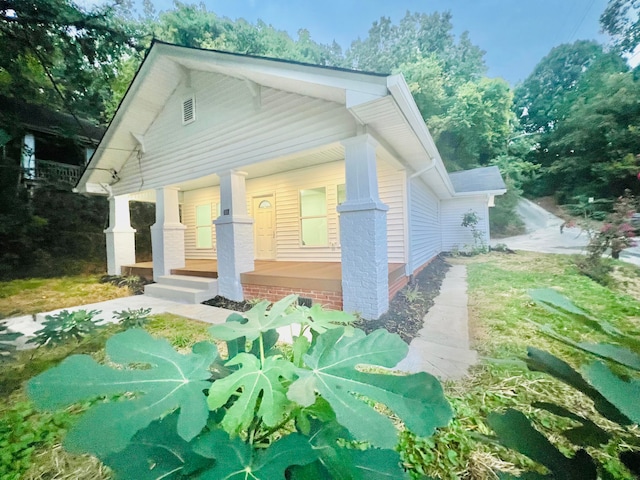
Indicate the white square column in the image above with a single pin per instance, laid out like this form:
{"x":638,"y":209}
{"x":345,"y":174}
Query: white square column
{"x":234,"y":235}
{"x":167,"y":234}
{"x":363,"y":233}
{"x":121,"y":242}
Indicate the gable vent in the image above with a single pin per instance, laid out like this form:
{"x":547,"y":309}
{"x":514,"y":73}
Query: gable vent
{"x":188,"y":110}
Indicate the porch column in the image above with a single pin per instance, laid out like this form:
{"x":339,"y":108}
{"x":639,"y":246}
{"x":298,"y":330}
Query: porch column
{"x":363,"y":233}
{"x":234,"y":235}
{"x":167,"y":234}
{"x":121,"y":243}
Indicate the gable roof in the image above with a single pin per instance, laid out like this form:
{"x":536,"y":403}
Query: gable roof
{"x":478,"y":180}
{"x":382,"y":104}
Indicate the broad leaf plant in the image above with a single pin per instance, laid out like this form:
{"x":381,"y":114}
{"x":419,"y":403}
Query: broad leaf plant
{"x":309,"y":411}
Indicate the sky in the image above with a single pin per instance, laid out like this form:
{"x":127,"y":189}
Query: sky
{"x":516,"y":34}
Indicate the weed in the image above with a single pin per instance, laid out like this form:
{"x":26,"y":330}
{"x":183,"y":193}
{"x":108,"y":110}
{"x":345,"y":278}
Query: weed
{"x":64,"y":326}
{"x":132,"y":318}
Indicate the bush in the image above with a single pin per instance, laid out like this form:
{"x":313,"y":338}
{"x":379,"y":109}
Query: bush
{"x":259,"y":413}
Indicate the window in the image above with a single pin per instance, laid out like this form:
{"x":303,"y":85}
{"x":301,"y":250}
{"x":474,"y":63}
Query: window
{"x":203,"y":226}
{"x":313,"y":217}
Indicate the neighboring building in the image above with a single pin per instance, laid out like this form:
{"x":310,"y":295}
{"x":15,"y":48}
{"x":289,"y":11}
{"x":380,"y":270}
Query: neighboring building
{"x":52,"y":147}
{"x":256,"y":162}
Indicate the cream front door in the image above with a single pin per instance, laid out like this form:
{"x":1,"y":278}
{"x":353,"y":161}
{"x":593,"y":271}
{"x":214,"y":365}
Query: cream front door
{"x":264,"y":214}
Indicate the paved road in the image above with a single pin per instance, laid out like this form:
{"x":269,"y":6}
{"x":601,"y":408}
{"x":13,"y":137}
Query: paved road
{"x":543,"y":235}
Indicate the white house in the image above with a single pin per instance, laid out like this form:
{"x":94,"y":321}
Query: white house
{"x":283,"y":176}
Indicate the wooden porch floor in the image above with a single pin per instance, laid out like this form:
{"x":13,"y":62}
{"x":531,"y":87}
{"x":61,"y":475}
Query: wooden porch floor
{"x":325,"y":276}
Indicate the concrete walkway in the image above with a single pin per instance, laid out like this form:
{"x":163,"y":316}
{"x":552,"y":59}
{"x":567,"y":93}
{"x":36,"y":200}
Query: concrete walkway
{"x":28,"y":324}
{"x":442,"y":345}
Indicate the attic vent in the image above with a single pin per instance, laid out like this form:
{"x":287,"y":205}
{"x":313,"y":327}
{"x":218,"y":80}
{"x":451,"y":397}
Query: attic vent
{"x":188,"y":110}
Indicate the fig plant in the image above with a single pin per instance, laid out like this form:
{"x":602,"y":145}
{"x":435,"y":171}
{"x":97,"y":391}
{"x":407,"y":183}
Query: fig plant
{"x":306,"y":412}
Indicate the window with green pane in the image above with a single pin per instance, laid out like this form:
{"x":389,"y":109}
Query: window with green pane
{"x":313,"y":217}
{"x":204,"y":229}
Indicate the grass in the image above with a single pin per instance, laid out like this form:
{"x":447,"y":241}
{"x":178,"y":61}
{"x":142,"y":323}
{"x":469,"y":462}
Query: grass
{"x":35,"y":295}
{"x":499,"y":307}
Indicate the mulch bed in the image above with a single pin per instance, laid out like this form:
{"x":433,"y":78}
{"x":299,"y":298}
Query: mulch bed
{"x":223,"y":302}
{"x":406,"y":310}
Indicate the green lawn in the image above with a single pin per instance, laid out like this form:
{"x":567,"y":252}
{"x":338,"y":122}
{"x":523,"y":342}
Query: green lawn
{"x":35,"y":295}
{"x":500,"y":308}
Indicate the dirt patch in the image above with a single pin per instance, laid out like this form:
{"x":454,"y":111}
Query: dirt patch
{"x":550,"y":204}
{"x":408,"y":308}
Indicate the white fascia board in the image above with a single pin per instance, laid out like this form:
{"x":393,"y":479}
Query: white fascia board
{"x":117,"y":119}
{"x":244,"y":66}
{"x":480,"y":193}
{"x":402,"y":95}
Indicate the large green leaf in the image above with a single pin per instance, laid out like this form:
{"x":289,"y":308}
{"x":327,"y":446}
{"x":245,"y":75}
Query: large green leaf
{"x":541,"y":361}
{"x":159,"y":379}
{"x":417,"y":399}
{"x":237,"y":460}
{"x":625,"y":395}
{"x":157,"y":452}
{"x":252,"y":382}
{"x":321,"y":320}
{"x":586,"y":435}
{"x":260,"y":319}
{"x":340,"y":463}
{"x":515,"y":431}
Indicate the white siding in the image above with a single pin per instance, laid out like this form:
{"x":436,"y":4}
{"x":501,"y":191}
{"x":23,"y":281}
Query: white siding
{"x":425,"y":229}
{"x":454,"y":235}
{"x":286,"y":187}
{"x":232,"y":129}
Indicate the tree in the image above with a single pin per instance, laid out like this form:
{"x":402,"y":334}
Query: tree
{"x":542,"y":99}
{"x":621,"y":20}
{"x":598,"y":141}
{"x":477,"y":126}
{"x":60,"y":55}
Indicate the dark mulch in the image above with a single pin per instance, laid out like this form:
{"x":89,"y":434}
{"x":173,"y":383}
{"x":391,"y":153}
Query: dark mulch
{"x":411,"y":304}
{"x":223,"y":302}
{"x":406,"y":310}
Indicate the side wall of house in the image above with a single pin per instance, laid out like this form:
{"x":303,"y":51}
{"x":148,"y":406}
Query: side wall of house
{"x":232,"y":129}
{"x":285,"y":188}
{"x":425,"y":230}
{"x":454,"y":235}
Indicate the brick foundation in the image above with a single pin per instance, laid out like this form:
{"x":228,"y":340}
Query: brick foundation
{"x":397,"y":286}
{"x":331,"y":300}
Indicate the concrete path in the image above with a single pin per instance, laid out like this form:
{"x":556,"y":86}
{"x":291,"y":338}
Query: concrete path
{"x":28,"y":324}
{"x":442,"y":345}
{"x":544,"y":235}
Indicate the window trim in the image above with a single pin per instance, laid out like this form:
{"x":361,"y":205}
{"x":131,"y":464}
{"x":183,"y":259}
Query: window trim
{"x":209,"y":226}
{"x":308,"y":217}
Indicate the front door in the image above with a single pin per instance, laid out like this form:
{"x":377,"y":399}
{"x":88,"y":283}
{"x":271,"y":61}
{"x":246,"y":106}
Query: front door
{"x":264,"y":213}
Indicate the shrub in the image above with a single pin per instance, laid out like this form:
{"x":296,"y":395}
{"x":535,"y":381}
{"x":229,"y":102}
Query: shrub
{"x":64,"y":326}
{"x":132,"y":318}
{"x":258,"y":413}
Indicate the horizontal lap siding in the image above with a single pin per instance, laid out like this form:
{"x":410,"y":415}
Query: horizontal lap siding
{"x":454,"y":235}
{"x":286,"y":190}
{"x":425,"y":224}
{"x":232,"y":129}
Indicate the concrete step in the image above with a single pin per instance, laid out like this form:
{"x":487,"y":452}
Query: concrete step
{"x":180,"y":294}
{"x":185,"y":281}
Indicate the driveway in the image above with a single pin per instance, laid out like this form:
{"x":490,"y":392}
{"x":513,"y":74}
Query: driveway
{"x":544,"y":235}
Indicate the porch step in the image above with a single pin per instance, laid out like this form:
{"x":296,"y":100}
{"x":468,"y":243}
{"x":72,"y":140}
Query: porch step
{"x":181,"y":288}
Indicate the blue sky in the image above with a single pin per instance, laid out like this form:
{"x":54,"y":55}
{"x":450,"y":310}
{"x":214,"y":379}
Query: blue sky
{"x":515,"y":34}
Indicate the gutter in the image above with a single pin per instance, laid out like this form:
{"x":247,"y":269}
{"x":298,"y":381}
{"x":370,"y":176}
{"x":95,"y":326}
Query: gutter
{"x":400,"y":92}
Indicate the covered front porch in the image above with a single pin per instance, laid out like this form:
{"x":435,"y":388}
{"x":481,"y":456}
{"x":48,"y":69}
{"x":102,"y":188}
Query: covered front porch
{"x":271,"y":280}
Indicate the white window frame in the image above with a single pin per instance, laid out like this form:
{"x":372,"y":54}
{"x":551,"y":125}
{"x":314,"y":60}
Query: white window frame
{"x":309,"y":217}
